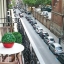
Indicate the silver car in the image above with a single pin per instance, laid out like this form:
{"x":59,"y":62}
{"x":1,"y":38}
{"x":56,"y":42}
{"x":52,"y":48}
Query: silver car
{"x":49,"y":39}
{"x":38,"y":30}
{"x":56,"y":48}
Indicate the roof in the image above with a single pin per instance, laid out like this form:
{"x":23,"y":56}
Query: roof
{"x":50,"y":37}
{"x":57,"y":45}
{"x":48,"y":14}
{"x":45,"y":32}
{"x":40,"y":28}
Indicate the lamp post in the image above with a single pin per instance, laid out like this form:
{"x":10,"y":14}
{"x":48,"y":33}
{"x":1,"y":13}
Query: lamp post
{"x":59,"y":40}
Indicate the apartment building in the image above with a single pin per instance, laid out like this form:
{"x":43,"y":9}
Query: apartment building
{"x":3,"y":9}
{"x":3,"y":16}
{"x":57,"y":24}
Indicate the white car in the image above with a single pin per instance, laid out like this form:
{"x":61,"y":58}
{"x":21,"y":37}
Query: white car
{"x":49,"y":39}
{"x":56,"y":48}
{"x":44,"y":13}
{"x":39,"y":29}
{"x":21,"y":14}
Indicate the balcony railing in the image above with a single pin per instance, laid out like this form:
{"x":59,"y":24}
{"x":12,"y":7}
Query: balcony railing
{"x":5,"y":29}
{"x":6,"y":25}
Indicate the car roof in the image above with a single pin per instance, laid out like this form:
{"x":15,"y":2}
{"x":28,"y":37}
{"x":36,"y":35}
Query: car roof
{"x":39,"y":27}
{"x":56,"y":44}
{"x":44,"y":32}
{"x":49,"y":37}
{"x":36,"y":25}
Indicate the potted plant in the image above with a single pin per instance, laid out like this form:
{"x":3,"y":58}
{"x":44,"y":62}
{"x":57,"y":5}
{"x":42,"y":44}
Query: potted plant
{"x":18,"y":37}
{"x":8,"y":40}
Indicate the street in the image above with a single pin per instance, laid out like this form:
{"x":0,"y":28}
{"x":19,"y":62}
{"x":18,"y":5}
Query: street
{"x":42,"y":51}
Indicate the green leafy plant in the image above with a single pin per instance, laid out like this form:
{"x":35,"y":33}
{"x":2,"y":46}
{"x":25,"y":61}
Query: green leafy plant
{"x":10,"y":6}
{"x":18,"y":37}
{"x":8,"y":38}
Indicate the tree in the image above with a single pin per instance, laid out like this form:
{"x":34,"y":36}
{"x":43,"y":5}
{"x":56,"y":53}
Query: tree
{"x":13,"y":2}
{"x":10,"y":6}
{"x":36,"y":2}
{"x":46,"y":2}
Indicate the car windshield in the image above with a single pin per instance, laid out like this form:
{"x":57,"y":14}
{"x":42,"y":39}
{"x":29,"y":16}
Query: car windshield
{"x":46,"y":34}
{"x":37,"y":26}
{"x":41,"y":29}
{"x":52,"y":39}
{"x":58,"y":48}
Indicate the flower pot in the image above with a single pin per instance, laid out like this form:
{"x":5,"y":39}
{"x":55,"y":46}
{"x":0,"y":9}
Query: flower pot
{"x":8,"y":45}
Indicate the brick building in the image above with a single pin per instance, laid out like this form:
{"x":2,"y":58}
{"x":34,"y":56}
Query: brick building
{"x":57,"y":23}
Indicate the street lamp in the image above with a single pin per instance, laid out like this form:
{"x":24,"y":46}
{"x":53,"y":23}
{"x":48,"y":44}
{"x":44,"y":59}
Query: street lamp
{"x":59,"y":40}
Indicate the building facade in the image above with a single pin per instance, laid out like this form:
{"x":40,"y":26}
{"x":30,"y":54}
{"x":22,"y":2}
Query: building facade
{"x":3,"y":16}
{"x":3,"y":10}
{"x":57,"y":23}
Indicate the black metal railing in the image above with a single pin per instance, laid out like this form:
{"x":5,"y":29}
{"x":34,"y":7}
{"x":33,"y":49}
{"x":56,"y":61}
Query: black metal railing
{"x":6,"y":25}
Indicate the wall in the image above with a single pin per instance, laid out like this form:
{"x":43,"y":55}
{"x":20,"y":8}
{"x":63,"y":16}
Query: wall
{"x":44,"y":20}
{"x":57,"y":17}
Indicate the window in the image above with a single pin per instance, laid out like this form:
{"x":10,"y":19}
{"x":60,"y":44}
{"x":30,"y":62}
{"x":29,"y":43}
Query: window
{"x":52,"y":45}
{"x":59,"y":48}
{"x":52,"y":39}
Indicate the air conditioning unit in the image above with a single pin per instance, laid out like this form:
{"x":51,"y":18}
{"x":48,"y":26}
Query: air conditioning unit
{"x":8,"y":13}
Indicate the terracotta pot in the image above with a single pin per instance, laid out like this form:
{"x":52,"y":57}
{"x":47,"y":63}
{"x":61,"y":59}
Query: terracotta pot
{"x":8,"y":45}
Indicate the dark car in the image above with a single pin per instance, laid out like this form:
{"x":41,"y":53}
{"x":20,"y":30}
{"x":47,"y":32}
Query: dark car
{"x":28,"y":12}
{"x":60,"y":57}
{"x":26,"y":17}
{"x":43,"y":34}
{"x":46,"y":8}
{"x":29,"y":18}
{"x":33,"y":22}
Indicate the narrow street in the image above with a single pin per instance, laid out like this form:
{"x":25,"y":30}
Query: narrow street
{"x":41,"y":49}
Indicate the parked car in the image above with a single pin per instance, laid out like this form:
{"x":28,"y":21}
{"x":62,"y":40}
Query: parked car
{"x":38,"y":29}
{"x":56,"y":48}
{"x":45,"y":13}
{"x":26,"y":17}
{"x":20,"y":14}
{"x":60,"y":57}
{"x":28,"y":12}
{"x":43,"y":34}
{"x":22,"y":10}
{"x":14,"y":11}
{"x":33,"y":22}
{"x":49,"y":39}
{"x":46,"y":8}
{"x":29,"y":19}
{"x":35,"y":26}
